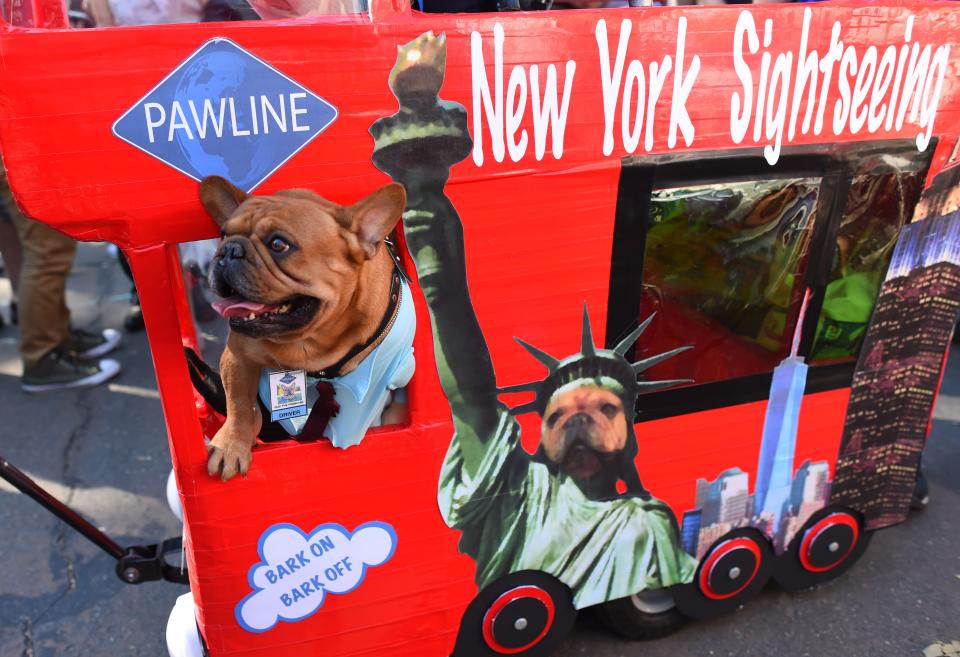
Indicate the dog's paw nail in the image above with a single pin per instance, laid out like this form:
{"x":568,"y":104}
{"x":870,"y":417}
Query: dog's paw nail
{"x":214,"y":463}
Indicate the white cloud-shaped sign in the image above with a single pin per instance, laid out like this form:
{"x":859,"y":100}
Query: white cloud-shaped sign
{"x":297,"y":570}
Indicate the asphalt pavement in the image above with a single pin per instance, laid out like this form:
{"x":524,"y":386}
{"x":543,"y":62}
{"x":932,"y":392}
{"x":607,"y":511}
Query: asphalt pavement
{"x":104,"y":451}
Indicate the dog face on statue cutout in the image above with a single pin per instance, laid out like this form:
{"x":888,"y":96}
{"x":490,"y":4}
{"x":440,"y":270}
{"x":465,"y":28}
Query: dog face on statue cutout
{"x":584,"y":403}
{"x":584,"y":431}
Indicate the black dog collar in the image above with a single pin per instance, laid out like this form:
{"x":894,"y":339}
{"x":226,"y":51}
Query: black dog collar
{"x":393,"y":308}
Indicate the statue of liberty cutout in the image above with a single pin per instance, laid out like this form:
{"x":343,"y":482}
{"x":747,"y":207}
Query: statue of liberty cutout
{"x":556,"y":511}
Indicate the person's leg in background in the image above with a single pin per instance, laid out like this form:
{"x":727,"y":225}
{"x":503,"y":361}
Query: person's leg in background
{"x":53,"y":354}
{"x":12,"y":258}
{"x":44,"y":318}
{"x":133,"y":322}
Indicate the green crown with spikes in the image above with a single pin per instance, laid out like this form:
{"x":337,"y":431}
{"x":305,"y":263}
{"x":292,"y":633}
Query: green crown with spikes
{"x":605,"y":367}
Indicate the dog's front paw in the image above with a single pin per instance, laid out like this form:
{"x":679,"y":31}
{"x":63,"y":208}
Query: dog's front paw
{"x":228,"y":456}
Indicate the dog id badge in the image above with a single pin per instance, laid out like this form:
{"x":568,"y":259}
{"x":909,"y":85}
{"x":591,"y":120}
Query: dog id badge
{"x":288,"y":394}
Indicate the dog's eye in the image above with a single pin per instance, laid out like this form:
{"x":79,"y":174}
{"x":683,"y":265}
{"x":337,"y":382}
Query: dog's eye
{"x":278,"y":245}
{"x":554,"y":417}
{"x":610,"y":410}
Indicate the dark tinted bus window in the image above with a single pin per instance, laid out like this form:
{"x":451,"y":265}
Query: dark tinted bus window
{"x":877,"y":207}
{"x":723,"y":267}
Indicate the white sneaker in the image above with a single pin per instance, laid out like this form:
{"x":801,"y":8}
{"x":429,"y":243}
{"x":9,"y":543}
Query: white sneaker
{"x":59,"y":370}
{"x":88,"y":345}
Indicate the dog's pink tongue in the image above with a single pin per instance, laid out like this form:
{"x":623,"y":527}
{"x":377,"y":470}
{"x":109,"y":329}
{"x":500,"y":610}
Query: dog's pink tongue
{"x":239,"y":307}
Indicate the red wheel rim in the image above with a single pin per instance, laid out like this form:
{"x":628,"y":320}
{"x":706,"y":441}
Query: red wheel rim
{"x":812,"y":534}
{"x":498,"y":605}
{"x":722,"y":550}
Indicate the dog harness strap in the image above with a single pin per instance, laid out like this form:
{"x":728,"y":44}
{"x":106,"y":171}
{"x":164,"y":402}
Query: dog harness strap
{"x":206,"y":382}
{"x":360,"y":351}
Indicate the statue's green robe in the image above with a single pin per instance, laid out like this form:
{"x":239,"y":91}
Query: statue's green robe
{"x":516,"y":515}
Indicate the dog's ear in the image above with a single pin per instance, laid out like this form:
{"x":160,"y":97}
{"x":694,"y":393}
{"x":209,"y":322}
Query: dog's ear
{"x":372,"y":218}
{"x":220,"y":198}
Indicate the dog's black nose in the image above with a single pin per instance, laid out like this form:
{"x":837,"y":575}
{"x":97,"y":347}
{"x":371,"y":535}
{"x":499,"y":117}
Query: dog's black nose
{"x":232,"y":250}
{"x":579,"y":420}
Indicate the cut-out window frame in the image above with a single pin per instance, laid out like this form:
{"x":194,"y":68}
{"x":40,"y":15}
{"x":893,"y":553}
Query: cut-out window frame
{"x":835,"y":166}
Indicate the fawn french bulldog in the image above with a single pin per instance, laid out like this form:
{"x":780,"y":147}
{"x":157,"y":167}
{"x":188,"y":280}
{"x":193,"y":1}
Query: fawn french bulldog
{"x":304,"y":282}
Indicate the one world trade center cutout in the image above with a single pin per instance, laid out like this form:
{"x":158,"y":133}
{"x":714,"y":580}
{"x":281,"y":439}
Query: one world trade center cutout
{"x":775,"y":469}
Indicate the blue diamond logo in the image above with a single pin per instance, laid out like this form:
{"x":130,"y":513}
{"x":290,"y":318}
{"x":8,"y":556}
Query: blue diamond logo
{"x":223,"y":111}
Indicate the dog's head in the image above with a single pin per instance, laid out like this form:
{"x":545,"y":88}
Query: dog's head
{"x":585,"y":430}
{"x":290,"y":261}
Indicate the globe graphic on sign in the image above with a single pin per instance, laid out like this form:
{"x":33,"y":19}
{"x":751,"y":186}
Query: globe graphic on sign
{"x":210,"y":78}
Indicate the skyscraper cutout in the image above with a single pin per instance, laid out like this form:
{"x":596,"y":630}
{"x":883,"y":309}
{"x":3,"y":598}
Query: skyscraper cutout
{"x":898,"y":374}
{"x":775,"y":469}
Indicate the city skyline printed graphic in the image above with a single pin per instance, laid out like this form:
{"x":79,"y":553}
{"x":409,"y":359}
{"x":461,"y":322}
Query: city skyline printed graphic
{"x":725,"y":504}
{"x":892,"y":396}
{"x":926,"y":243}
{"x":781,"y":501}
{"x":898,"y":371}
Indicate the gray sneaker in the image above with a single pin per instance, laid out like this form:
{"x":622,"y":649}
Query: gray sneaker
{"x":86,"y":345}
{"x":59,"y":370}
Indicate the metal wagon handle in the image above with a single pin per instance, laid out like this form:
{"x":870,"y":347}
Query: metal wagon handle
{"x":135,"y":564}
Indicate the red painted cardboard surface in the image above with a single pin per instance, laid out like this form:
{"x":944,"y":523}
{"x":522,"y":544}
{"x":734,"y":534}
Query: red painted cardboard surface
{"x":538,"y":235}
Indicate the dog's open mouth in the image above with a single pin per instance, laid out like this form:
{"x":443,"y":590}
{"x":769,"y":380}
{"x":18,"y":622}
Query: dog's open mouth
{"x":581,"y":461}
{"x":258,"y":318}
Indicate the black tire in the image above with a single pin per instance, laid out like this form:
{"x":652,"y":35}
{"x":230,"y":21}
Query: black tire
{"x":734,"y":569}
{"x":811,"y":558}
{"x":639,"y":618}
{"x":491,"y":625}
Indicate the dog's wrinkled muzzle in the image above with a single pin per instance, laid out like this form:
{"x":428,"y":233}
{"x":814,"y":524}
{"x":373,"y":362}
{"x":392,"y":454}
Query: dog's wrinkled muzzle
{"x":578,"y":427}
{"x":230,"y":273}
{"x":235,"y":277}
{"x":580,"y":458}
{"x":231,"y":249}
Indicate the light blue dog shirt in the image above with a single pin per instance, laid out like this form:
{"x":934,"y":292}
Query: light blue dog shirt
{"x":366,"y":391}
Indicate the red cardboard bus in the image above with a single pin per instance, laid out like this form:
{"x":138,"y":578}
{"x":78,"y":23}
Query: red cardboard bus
{"x":736,"y":228}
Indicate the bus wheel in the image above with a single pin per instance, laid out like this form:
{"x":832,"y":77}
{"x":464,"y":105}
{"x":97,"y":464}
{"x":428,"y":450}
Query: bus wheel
{"x":824,"y":548}
{"x":734,"y":568}
{"x":646,"y":615}
{"x":525,"y":613}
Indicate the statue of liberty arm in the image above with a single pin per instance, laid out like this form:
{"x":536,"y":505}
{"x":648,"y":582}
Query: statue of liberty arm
{"x":417,"y":146}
